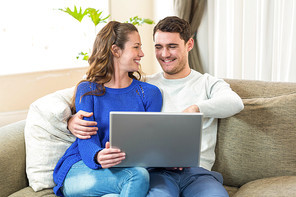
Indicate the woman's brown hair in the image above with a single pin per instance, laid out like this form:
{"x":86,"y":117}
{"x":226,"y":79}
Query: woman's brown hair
{"x":101,"y":68}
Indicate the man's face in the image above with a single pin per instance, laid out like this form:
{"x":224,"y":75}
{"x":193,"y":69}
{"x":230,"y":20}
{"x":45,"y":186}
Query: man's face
{"x":172,"y":54}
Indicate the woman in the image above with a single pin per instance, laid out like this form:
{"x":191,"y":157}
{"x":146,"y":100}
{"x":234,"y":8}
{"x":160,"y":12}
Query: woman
{"x":110,"y":85}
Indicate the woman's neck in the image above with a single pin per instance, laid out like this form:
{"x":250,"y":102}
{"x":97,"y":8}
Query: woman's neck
{"x":119,"y":81}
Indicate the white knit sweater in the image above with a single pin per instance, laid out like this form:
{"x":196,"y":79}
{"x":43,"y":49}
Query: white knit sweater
{"x":214,"y":98}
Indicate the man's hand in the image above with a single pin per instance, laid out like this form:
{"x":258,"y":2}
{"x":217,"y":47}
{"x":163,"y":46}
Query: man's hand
{"x":191,"y":109}
{"x":80,"y":128}
{"x":109,"y":157}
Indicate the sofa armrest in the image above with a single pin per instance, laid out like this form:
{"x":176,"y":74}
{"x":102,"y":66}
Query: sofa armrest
{"x":12,"y":158}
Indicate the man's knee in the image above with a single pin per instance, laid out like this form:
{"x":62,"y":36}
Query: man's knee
{"x":213,"y":192}
{"x":204,"y":185}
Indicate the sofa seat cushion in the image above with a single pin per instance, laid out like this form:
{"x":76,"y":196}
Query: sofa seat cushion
{"x":29,"y":192}
{"x":231,"y":190}
{"x":275,"y":186}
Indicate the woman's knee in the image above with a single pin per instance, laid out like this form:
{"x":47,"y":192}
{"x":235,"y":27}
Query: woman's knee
{"x":111,"y":195}
{"x":139,"y":174}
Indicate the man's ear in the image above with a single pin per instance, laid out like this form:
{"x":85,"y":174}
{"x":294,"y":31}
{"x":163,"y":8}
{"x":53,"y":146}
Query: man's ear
{"x":190,"y":44}
{"x":115,"y":50}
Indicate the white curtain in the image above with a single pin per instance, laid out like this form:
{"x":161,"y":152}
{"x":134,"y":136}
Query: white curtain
{"x":249,"y":39}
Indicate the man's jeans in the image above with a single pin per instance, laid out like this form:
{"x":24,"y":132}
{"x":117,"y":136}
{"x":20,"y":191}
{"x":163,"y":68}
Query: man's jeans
{"x":190,"y":182}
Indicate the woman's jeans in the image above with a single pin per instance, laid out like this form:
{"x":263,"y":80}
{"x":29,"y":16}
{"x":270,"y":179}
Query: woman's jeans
{"x":84,"y":181}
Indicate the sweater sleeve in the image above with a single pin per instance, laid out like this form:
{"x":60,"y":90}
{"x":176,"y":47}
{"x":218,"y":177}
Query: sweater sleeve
{"x":222,"y":101}
{"x":88,"y":148}
{"x":153,"y":99}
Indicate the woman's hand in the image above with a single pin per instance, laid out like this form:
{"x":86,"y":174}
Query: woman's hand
{"x":109,"y":157}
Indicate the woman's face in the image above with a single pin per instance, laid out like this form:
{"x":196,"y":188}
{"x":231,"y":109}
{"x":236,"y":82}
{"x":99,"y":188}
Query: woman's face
{"x":130,"y":56}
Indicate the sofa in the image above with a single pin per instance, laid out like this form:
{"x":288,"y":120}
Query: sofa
{"x":255,"y":151}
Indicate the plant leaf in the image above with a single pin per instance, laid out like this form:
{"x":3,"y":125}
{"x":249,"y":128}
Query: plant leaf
{"x":95,"y":16}
{"x":148,"y":21}
{"x":84,"y":56}
{"x":75,"y":14}
{"x":139,"y":21}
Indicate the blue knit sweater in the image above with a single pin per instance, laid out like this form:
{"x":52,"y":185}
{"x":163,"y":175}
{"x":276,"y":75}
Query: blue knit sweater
{"x":139,"y":96}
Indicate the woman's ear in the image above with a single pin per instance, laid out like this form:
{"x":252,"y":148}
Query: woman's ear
{"x":115,"y":50}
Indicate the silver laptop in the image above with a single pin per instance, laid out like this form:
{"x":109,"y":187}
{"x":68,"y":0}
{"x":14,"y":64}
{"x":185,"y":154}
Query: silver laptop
{"x":157,"y":139}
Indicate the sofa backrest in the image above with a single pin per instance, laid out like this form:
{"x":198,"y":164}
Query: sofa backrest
{"x":259,"y":142}
{"x":12,"y":158}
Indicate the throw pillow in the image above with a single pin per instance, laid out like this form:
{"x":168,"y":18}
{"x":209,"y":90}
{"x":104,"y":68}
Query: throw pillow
{"x":47,"y":137}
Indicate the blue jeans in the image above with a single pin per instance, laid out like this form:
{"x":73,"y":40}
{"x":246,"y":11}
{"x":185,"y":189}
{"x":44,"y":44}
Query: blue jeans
{"x":190,"y":182}
{"x":126,"y":182}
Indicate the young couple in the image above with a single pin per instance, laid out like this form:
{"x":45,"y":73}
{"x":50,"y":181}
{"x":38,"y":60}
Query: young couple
{"x":111,"y":85}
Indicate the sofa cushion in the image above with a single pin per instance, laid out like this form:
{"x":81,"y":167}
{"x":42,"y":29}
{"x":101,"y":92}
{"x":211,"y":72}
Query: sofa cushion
{"x":259,"y":142}
{"x":231,"y":190}
{"x":269,"y":187}
{"x":260,"y":89}
{"x":47,"y":137}
{"x":29,"y":192}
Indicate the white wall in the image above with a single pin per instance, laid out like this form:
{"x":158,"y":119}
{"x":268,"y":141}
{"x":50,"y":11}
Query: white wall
{"x":122,"y":10}
{"x":36,"y":36}
{"x":19,"y":90}
{"x":49,"y":39}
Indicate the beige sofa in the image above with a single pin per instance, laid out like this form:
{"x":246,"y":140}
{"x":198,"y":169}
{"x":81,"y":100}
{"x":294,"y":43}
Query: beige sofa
{"x":255,"y":152}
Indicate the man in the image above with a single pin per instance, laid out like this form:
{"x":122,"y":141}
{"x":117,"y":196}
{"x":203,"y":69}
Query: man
{"x":188,"y":91}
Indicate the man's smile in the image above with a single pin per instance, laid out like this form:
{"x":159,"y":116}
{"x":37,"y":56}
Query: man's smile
{"x":167,"y":61}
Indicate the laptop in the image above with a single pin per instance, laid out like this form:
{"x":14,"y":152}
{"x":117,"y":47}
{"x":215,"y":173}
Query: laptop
{"x":157,"y":139}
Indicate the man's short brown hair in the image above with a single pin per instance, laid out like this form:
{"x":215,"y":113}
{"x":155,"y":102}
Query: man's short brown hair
{"x":174,"y":24}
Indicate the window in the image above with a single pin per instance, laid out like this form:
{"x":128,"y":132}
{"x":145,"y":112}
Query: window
{"x":36,"y":36}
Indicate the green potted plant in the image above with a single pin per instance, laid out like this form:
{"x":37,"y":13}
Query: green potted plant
{"x":97,"y":18}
